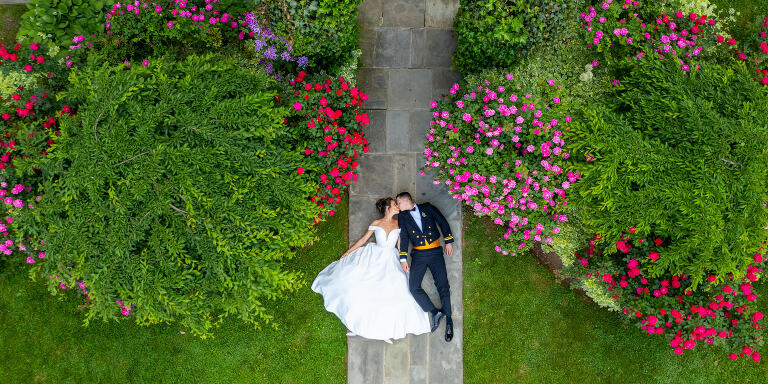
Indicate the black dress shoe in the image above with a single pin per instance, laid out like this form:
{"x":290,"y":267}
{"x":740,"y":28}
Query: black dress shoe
{"x":436,"y":320}
{"x":448,"y":328}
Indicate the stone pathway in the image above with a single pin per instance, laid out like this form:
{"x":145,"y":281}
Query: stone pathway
{"x":407,"y":47}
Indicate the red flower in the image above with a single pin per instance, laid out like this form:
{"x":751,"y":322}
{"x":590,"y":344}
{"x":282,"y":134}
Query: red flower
{"x":632,"y":229}
{"x":658,"y":241}
{"x":731,"y":41}
{"x":28,"y":68}
{"x":5,"y":116}
{"x":653,"y":255}
{"x":299,"y":170}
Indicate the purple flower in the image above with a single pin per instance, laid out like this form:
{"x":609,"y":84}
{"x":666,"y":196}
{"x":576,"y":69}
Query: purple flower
{"x":259,"y":44}
{"x":302,"y":61}
{"x":271,"y":52}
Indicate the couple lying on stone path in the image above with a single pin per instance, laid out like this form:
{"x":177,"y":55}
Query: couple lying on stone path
{"x":368,"y":288}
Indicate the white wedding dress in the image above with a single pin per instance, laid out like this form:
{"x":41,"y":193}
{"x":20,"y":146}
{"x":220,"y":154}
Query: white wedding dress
{"x":368,"y":291}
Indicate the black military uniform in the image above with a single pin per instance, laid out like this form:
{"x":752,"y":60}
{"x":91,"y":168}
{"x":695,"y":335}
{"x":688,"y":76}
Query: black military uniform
{"x":427,"y":252}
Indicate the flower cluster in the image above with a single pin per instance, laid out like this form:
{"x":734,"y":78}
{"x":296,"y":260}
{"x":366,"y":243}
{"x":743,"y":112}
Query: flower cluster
{"x":29,"y":113}
{"x":719,"y":313}
{"x":760,"y":59}
{"x":268,"y":44}
{"x":141,"y":29}
{"x":327,"y":117}
{"x":501,"y":151}
{"x":616,"y":29}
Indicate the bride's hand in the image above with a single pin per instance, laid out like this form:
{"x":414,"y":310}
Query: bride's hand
{"x":405,"y":265}
{"x":344,"y":255}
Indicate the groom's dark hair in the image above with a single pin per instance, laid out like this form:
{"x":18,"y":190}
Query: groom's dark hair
{"x":404,"y":194}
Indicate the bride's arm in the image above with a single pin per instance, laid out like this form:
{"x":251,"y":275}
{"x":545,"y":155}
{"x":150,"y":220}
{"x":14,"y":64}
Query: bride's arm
{"x":359,"y":243}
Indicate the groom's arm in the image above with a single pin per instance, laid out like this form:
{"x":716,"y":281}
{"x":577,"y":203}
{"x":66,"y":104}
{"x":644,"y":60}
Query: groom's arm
{"x":403,"y":242}
{"x":445,"y":228}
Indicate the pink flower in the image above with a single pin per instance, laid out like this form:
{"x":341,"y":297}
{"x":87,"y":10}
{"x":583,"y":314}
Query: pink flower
{"x":145,"y":63}
{"x":297,"y":106}
{"x":170,"y":25}
{"x":30,"y":260}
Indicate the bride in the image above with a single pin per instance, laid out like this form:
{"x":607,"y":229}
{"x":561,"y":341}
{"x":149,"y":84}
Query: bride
{"x":367,"y":288}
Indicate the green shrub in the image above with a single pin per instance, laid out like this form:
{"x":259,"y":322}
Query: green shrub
{"x":135,"y":34}
{"x":325,"y":31}
{"x":174,"y":194}
{"x":681,"y":157}
{"x":496,"y":33}
{"x":58,"y":21}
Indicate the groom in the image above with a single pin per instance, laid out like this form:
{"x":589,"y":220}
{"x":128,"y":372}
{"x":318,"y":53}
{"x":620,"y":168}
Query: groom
{"x":418,"y":225}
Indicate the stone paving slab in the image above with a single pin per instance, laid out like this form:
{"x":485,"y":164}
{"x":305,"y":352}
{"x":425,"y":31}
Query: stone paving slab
{"x":403,"y":13}
{"x":441,"y":13}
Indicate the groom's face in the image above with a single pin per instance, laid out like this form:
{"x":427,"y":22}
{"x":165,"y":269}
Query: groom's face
{"x":404,"y":204}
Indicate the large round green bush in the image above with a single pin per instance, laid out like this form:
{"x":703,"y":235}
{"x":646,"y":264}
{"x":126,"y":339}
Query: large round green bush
{"x":681,"y":157}
{"x":174,"y":190}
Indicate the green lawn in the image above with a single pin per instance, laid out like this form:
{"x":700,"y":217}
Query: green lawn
{"x":42,"y":339}
{"x":521,"y":326}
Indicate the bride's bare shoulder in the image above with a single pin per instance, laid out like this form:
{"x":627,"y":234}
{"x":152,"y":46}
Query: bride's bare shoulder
{"x":376,"y":222}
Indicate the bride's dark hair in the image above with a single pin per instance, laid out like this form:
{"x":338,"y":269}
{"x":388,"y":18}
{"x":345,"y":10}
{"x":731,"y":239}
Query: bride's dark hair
{"x":383,"y":203}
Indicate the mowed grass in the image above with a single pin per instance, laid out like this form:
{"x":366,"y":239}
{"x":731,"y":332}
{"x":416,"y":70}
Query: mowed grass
{"x":42,"y":338}
{"x":521,"y":326}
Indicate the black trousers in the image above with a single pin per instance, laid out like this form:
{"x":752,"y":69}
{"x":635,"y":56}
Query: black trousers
{"x":432,"y":259}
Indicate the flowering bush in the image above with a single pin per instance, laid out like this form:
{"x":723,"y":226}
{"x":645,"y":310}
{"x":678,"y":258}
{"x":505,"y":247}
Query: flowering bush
{"x":721,"y":312}
{"x":143,"y":29}
{"x":324,"y":31}
{"x":679,"y":156}
{"x":272,"y":49}
{"x":328,"y":125}
{"x":179,"y":198}
{"x":616,"y":29}
{"x":757,"y":57}
{"x":29,"y":111}
{"x":498,"y":146}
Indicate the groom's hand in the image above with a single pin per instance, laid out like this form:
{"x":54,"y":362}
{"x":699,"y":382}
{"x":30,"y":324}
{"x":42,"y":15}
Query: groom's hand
{"x":449,"y":249}
{"x":405,"y":266}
